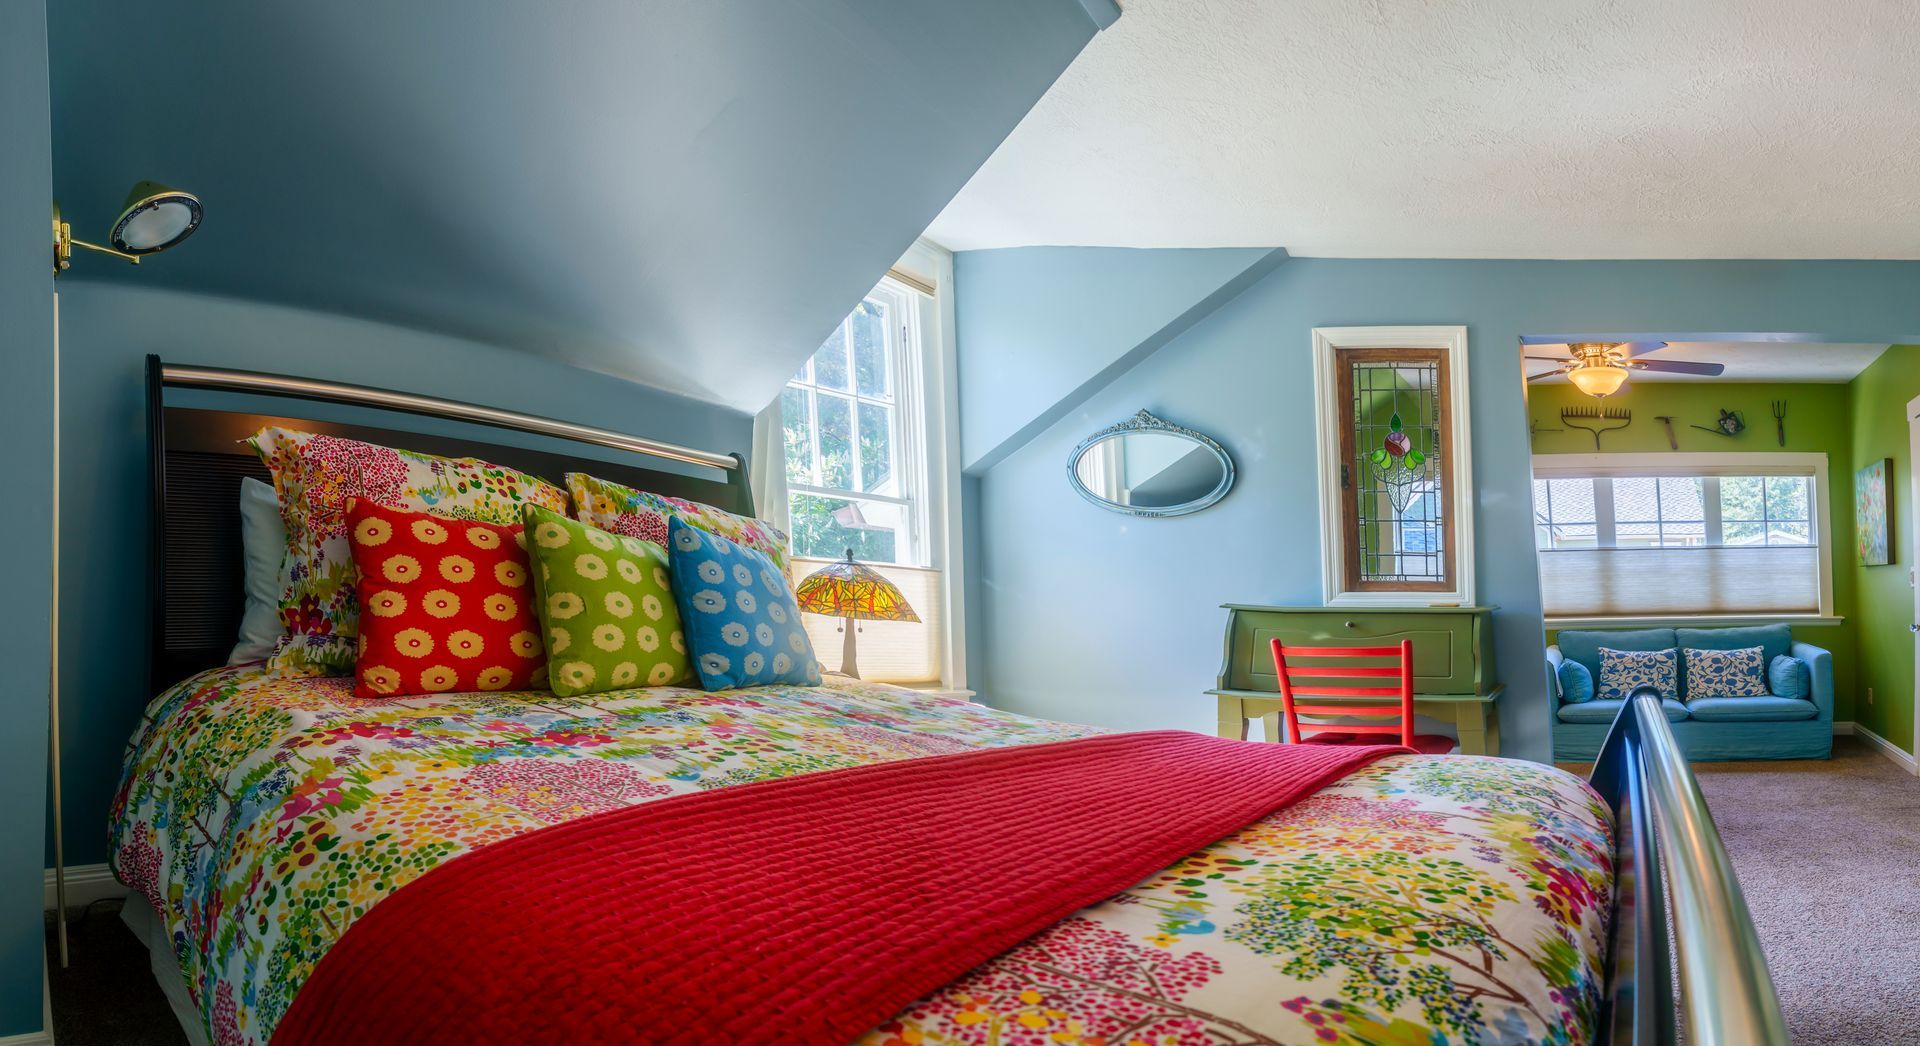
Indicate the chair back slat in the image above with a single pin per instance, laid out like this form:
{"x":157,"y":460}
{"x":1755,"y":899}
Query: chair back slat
{"x":1297,"y":681}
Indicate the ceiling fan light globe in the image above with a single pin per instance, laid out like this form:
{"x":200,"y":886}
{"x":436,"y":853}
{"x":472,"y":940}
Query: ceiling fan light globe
{"x":1598,"y":381}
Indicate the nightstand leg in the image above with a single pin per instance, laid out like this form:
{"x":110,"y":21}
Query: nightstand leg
{"x":1233,"y":719}
{"x":1470,"y":721}
{"x":1270,"y":728}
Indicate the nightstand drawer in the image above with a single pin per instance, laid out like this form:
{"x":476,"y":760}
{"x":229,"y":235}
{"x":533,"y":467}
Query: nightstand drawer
{"x":1452,"y":648}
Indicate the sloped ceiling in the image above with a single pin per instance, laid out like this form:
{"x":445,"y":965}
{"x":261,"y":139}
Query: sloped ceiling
{"x":1473,"y":129}
{"x":684,"y":193}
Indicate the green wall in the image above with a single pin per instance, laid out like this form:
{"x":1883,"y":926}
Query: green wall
{"x":1817,"y":421}
{"x":1883,"y":596}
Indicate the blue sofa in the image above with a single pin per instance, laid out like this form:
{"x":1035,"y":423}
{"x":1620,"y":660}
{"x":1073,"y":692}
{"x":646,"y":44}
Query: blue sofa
{"x":1708,"y":728}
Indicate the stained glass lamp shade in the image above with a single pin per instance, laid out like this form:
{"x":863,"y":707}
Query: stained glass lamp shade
{"x":856,"y":592}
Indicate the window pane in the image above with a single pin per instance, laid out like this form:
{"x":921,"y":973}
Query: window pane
{"x":870,"y":348}
{"x":799,"y":433}
{"x":1686,"y":533}
{"x":1636,"y":535}
{"x":1577,"y":535}
{"x":1742,"y":498}
{"x":1572,"y":500}
{"x":1743,"y":533}
{"x":1541,"y":513}
{"x":836,"y":441}
{"x":1787,"y":497}
{"x":1788,"y":534}
{"x":1681,"y":498}
{"x":830,"y":360}
{"x":828,"y":527}
{"x":1635,"y":499}
{"x":876,"y":449}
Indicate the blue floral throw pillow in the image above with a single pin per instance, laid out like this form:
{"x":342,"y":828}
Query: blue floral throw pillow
{"x":1726,"y":673}
{"x":1624,"y":671}
{"x":741,"y":622}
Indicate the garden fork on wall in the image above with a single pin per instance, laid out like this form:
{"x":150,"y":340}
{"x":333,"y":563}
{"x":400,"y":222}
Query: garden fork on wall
{"x":1598,"y":415}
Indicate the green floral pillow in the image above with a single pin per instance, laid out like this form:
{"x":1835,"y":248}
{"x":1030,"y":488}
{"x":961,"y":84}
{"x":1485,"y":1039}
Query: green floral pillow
{"x":606,"y":607}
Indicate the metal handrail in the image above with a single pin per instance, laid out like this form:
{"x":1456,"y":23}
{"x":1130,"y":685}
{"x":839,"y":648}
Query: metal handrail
{"x":1669,"y":847}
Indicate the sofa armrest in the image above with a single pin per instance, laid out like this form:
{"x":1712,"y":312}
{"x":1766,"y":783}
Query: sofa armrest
{"x":1821,"y":664}
{"x":1554,"y":661}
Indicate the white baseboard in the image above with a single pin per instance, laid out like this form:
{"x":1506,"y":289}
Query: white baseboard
{"x":32,"y":1038}
{"x":1904,"y":759}
{"x":1842,"y":727}
{"x":86,"y":883}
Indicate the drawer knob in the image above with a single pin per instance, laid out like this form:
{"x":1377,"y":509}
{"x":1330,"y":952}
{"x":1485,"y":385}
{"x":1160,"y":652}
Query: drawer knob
{"x":1350,"y":624}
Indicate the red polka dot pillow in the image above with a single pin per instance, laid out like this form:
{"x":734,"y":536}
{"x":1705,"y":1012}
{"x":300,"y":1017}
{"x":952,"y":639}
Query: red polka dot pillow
{"x":446,"y":604}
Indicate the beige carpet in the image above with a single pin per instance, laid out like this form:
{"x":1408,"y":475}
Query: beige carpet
{"x":1828,"y":855}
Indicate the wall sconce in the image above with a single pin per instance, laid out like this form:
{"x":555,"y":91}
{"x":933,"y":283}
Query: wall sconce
{"x":155,"y":218}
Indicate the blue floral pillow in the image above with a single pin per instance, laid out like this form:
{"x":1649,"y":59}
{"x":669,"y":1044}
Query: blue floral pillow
{"x":1624,"y":671}
{"x":741,"y":622}
{"x":1726,"y":673}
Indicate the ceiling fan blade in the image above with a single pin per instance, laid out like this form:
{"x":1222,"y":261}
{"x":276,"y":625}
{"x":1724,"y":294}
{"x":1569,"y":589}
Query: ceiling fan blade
{"x":1641,"y":348}
{"x":1548,"y":359}
{"x":1548,"y":374}
{"x":1711,"y":370}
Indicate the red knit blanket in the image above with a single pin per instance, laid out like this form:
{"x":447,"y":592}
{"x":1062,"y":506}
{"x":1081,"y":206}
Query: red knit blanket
{"x":801,"y":910}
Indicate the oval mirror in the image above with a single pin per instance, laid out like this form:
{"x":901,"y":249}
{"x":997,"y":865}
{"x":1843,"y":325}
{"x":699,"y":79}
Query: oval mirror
{"x":1148,"y":467}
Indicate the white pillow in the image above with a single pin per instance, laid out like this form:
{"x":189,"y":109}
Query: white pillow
{"x":263,"y":543}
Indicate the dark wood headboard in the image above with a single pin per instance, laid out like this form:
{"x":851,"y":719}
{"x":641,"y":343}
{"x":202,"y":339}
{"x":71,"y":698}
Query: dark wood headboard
{"x":197,"y":460}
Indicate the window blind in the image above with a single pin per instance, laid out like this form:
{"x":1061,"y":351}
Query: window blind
{"x":1634,"y":582}
{"x":890,"y":651}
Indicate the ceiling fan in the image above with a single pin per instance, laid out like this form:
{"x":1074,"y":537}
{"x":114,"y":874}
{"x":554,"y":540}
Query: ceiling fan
{"x":1600,"y":368}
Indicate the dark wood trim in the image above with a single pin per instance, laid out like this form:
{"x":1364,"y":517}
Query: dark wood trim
{"x":1344,"y":360}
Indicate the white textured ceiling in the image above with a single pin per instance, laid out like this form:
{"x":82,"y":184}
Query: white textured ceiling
{"x":1771,"y":361}
{"x":1473,"y":128}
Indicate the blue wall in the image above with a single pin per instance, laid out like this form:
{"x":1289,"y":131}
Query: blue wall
{"x":106,"y":331}
{"x":1040,"y":323}
{"x":26,"y":343}
{"x":1092,"y":616}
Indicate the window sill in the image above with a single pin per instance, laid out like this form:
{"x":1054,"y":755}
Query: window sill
{"x":1693,"y":621}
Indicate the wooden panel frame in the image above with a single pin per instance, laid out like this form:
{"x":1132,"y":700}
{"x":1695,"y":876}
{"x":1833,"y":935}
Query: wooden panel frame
{"x":1330,"y":418}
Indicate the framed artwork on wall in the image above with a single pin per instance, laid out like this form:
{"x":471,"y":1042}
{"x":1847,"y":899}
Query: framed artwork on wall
{"x":1870,"y":512}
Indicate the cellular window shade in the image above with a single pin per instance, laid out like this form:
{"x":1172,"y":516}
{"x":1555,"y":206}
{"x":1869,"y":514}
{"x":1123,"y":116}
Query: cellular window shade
{"x":890,"y":651}
{"x":1634,"y":582}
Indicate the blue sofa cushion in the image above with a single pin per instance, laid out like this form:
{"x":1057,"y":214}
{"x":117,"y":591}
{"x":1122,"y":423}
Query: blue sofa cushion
{"x":1605,"y":711}
{"x":1768,"y":709}
{"x":1624,"y":671}
{"x":1576,"y":683}
{"x":1789,"y":677}
{"x":1726,"y":673}
{"x":1584,"y":646}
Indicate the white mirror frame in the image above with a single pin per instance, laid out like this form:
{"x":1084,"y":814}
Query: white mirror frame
{"x":1328,"y":417}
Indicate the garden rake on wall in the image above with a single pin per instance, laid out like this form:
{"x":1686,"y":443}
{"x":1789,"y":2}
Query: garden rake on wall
{"x":1596,"y":420}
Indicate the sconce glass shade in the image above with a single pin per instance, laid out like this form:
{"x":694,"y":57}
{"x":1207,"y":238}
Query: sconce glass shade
{"x":1598,"y":382}
{"x":156,"y":217}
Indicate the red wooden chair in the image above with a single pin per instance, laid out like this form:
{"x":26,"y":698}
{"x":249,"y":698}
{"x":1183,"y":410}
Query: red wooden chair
{"x":1386,"y":724}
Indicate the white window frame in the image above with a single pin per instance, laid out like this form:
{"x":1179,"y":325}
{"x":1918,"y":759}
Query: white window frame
{"x":1707,"y":465}
{"x":908,"y":410}
{"x":1329,"y":416}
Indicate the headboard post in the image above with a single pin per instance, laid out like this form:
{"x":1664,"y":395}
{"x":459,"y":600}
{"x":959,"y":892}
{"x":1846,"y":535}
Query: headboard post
{"x":156,"y":523}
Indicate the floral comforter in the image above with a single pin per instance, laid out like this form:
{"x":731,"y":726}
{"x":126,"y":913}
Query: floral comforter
{"x":1420,"y":900}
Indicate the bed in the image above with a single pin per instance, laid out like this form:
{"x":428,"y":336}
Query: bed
{"x":1418,"y":899}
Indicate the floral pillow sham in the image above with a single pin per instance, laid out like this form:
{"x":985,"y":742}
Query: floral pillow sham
{"x":1624,"y":671}
{"x":620,"y":509}
{"x":314,"y":475}
{"x":1726,"y":673}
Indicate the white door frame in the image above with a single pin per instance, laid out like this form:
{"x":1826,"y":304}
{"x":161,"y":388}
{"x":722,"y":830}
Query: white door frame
{"x":1913,"y":512}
